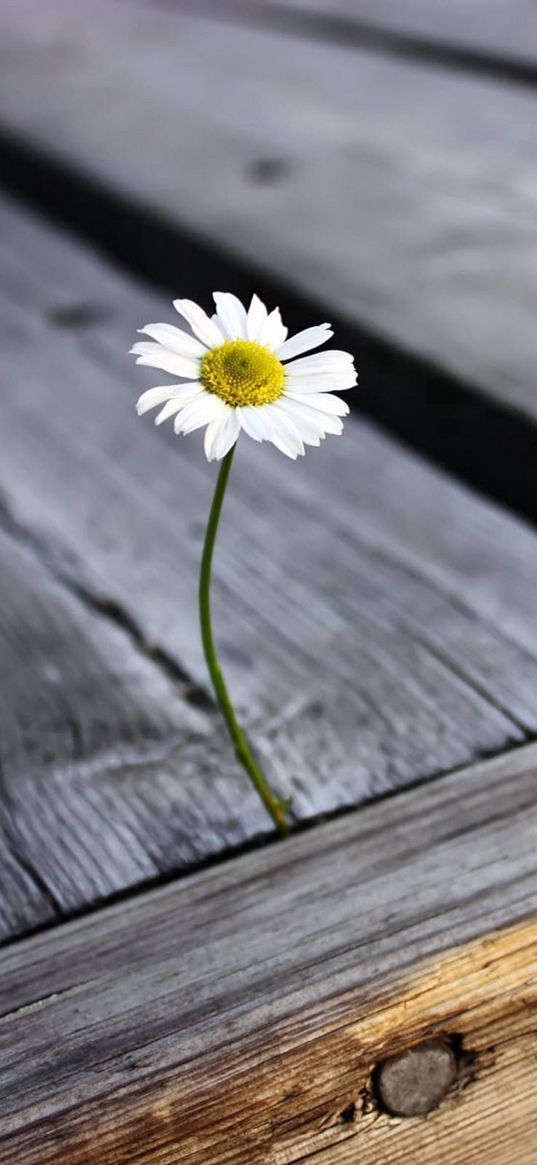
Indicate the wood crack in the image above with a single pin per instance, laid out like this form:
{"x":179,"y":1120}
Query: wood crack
{"x":42,"y":1001}
{"x":108,"y":607}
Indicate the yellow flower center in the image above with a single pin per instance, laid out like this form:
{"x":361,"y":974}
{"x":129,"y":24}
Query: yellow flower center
{"x":243,"y":372}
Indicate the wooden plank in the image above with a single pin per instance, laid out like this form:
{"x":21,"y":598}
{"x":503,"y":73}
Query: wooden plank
{"x":402,"y":196}
{"x":378,"y":623}
{"x":500,"y":30}
{"x":237,"y":1015}
{"x":93,"y":735}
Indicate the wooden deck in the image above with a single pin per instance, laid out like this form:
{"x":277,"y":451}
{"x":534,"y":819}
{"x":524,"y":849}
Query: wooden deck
{"x":175,"y":985}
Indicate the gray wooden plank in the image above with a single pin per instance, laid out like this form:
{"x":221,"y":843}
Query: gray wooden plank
{"x":236,"y":1014}
{"x":504,"y":28}
{"x":377,"y":622}
{"x":404,"y":196}
{"x":102,"y":757}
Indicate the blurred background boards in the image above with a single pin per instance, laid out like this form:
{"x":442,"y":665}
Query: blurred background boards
{"x":396,"y":193}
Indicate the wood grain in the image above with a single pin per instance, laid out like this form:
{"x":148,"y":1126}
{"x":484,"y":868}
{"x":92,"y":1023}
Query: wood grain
{"x":93,"y":737}
{"x":402,"y":196}
{"x":377,"y":622}
{"x":238,"y":1015}
{"x":24,"y":902}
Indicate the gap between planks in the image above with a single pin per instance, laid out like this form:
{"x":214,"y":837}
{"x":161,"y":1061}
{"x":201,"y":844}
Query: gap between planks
{"x":509,"y":34}
{"x":505,"y":48}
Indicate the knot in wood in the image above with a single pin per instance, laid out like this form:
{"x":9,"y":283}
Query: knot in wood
{"x":416,"y":1081}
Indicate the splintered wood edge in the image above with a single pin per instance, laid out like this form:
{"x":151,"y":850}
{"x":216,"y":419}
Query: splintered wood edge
{"x":317,"y":1099}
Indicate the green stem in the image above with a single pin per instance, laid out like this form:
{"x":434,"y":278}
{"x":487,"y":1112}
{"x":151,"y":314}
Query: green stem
{"x":274,"y":804}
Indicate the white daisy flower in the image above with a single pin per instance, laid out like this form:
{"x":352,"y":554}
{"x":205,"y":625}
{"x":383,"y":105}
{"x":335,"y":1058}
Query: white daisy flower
{"x":238,"y":371}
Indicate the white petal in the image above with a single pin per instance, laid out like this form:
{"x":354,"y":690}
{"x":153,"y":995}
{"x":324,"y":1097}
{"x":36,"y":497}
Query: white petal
{"x":204,"y":328}
{"x":272,"y":332}
{"x":283,"y":432}
{"x":155,"y":356}
{"x":231,"y":315}
{"x":324,"y":402}
{"x":155,"y":396}
{"x":269,"y":423}
{"x":310,"y":421}
{"x":251,"y":420}
{"x":329,"y":361}
{"x":212,"y":431}
{"x":289,"y":443}
{"x":174,"y":339}
{"x":324,"y":382}
{"x":192,"y":391}
{"x":169,"y":410}
{"x":225,"y":436}
{"x":257,"y":314}
{"x":198,"y":412}
{"x":303,"y":341}
{"x":310,"y":428}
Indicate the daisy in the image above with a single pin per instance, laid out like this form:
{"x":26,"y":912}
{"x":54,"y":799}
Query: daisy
{"x":237,"y":370}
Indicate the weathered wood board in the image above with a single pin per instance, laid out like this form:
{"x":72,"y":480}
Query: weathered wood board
{"x":237,"y":1015}
{"x":93,"y":737}
{"x":400,"y":194}
{"x":377,"y":622}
